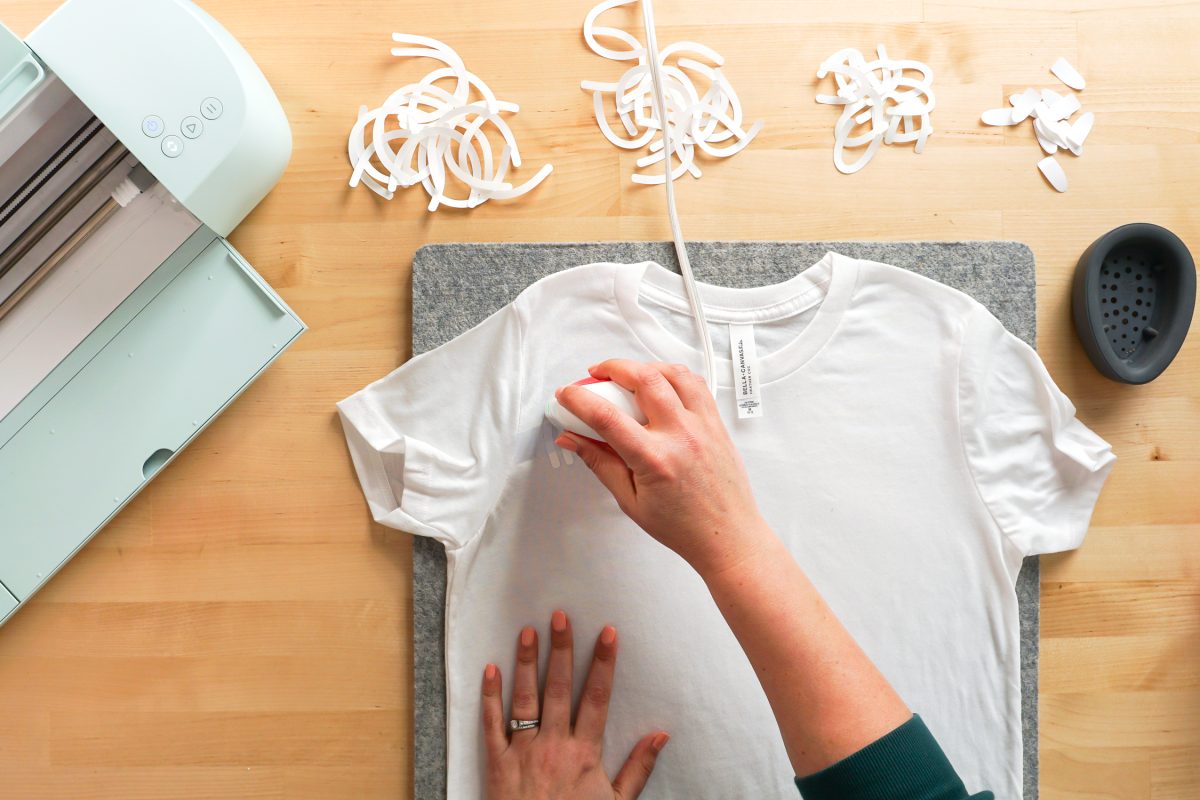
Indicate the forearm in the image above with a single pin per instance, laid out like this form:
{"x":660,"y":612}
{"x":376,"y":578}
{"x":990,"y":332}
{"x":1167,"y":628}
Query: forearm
{"x":829,"y":699}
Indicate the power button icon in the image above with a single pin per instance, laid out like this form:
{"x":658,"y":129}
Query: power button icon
{"x":152,"y":126}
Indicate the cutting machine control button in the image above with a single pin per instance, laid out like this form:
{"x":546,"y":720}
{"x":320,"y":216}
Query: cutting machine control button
{"x":153,"y":126}
{"x":191,"y":127}
{"x":172,"y":147}
{"x":211,"y":108}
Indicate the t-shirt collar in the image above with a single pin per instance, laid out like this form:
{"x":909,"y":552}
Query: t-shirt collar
{"x":827,"y":284}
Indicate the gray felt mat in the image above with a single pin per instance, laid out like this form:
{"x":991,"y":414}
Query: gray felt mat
{"x":455,"y":286}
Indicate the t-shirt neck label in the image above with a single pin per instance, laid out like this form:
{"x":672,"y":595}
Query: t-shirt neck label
{"x":744,"y":355}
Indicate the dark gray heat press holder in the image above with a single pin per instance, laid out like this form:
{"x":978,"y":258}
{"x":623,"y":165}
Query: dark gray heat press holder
{"x":1133,"y":298}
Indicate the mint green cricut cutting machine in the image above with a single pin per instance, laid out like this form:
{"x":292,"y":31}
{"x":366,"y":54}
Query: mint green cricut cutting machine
{"x":134,"y":136}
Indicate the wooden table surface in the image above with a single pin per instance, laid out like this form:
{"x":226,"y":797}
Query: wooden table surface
{"x":243,"y":629}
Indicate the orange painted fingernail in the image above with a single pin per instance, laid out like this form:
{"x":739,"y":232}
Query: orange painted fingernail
{"x":608,"y":635}
{"x":489,"y":672}
{"x":527,"y":637}
{"x":558,"y":621}
{"x":660,"y":741}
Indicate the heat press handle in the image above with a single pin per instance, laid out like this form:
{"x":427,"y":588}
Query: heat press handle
{"x":619,"y":396}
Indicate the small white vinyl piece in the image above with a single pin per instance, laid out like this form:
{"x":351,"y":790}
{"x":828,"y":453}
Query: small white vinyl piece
{"x":703,"y":110}
{"x":893,"y":97}
{"x":1054,"y":173}
{"x":1079,"y":131}
{"x":1041,"y":134}
{"x":1066,"y":73}
{"x":1022,"y":104}
{"x":1062,"y":130}
{"x":1050,"y":131}
{"x":1064,"y":107}
{"x":1002,"y":116}
{"x":1051,"y":113}
{"x":441,"y":135}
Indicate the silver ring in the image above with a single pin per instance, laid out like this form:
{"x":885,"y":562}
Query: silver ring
{"x":515,"y":725}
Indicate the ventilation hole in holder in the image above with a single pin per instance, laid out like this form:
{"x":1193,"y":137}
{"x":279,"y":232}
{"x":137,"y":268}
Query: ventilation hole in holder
{"x":155,"y":462}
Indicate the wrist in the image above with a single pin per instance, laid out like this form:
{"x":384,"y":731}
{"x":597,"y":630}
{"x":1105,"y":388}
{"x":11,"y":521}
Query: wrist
{"x":743,"y":548}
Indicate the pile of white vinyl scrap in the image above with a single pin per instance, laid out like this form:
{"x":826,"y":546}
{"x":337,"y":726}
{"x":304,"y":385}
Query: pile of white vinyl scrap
{"x":447,"y":127}
{"x":893,"y":97}
{"x":703,"y":110}
{"x":1051,"y":113}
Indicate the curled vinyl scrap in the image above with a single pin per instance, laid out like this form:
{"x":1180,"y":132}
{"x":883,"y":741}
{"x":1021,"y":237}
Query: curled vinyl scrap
{"x":702,"y":107}
{"x":893,"y":98}
{"x":442,"y":130}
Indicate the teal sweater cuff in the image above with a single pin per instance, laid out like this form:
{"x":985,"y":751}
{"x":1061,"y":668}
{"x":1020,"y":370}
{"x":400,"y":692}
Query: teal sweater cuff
{"x":906,"y":764}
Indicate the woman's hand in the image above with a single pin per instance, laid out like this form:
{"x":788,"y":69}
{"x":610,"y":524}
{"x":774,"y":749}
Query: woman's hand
{"x":679,"y":477}
{"x":556,"y":760}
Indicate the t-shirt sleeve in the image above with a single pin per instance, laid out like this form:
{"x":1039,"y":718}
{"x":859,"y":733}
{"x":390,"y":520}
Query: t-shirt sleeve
{"x":433,"y":441}
{"x":1038,"y":469}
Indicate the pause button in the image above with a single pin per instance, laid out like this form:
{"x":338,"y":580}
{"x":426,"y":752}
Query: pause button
{"x":211,"y":108}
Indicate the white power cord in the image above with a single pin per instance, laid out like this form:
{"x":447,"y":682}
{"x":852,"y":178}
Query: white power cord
{"x":685,"y":266}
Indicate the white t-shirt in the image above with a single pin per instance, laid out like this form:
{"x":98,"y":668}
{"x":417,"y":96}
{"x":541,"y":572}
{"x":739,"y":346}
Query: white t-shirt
{"x":910,"y":453}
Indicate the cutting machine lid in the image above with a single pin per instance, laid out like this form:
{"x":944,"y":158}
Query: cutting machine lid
{"x":180,"y":92}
